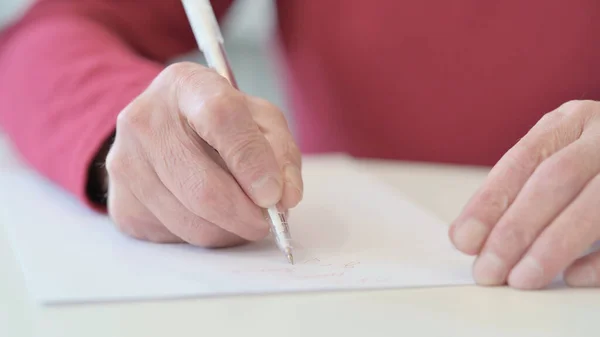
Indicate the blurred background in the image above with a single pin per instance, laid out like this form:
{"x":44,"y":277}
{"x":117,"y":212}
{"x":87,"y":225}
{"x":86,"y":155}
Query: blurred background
{"x":248,"y":30}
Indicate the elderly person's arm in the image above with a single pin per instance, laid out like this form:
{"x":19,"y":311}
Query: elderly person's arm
{"x":188,"y":157}
{"x":68,"y":67}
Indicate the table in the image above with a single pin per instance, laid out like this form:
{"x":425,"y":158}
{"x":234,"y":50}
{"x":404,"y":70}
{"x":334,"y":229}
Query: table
{"x":453,"y":311}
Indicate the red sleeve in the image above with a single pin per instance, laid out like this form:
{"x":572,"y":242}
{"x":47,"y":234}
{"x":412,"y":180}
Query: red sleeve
{"x":70,"y":66}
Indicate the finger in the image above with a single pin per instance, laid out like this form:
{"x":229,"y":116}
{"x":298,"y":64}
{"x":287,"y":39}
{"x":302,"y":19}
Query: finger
{"x":185,"y":224}
{"x":146,"y":187}
{"x":584,"y":272}
{"x":222,"y":118}
{"x":569,"y":236}
{"x":274,"y":126}
{"x":129,"y":214}
{"x":134,"y":219}
{"x":551,"y":134}
{"x":204,"y":187}
{"x":554,"y":185}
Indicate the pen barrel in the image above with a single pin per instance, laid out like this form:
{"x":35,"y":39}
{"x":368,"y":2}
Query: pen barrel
{"x":280,"y":229}
{"x":210,"y":40}
{"x":284,"y":242}
{"x":221,"y":64}
{"x":208,"y":36}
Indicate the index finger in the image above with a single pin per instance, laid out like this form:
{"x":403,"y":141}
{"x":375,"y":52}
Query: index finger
{"x":221,"y":117}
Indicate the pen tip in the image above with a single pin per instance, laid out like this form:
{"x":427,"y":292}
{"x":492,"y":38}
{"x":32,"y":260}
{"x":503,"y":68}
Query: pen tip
{"x":290,"y":258}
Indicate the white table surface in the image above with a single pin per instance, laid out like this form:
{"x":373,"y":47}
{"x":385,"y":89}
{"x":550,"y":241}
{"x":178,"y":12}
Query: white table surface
{"x":453,"y":311}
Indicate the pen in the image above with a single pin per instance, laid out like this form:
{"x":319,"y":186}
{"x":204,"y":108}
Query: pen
{"x":210,"y":40}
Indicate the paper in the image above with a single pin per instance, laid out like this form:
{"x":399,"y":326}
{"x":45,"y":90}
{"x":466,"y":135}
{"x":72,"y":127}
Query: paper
{"x":351,"y":232}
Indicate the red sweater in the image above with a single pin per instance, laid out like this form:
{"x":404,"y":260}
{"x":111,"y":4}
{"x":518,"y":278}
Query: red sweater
{"x":431,"y":80}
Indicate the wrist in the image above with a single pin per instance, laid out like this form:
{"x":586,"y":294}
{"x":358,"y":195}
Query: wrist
{"x":97,"y":184}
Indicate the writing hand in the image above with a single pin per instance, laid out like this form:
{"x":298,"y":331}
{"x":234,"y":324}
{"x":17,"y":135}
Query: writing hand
{"x":193,"y":159}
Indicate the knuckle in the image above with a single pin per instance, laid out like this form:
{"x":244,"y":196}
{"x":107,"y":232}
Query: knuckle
{"x":541,"y":153}
{"x":554,"y":175}
{"x":569,"y":105}
{"x":184,"y":80}
{"x":520,"y":160}
{"x":179,"y":71}
{"x":128,"y":224}
{"x":207,"y":240}
{"x":161,"y":237}
{"x":510,"y":240}
{"x":265,"y":104}
{"x":573,"y":109}
{"x":586,"y":105}
{"x":271,"y":110}
{"x":579,"y":109}
{"x":548,"y":117}
{"x":134,"y":119}
{"x":495,"y":201}
{"x":531,"y":151}
{"x":574,"y":105}
{"x":199,"y":189}
{"x":206,"y":198}
{"x":285,"y":148}
{"x":139,"y":227}
{"x":535,"y":151}
{"x":248,"y":154}
{"x":217,"y":107}
{"x":218,"y":114}
{"x":587,"y":110}
{"x":210,"y":236}
{"x":116,"y":165}
{"x":551,"y":120}
{"x":221,"y":108}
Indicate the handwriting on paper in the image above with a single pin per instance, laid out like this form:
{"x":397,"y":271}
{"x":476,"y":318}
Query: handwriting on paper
{"x":341,"y":273}
{"x":309,"y":269}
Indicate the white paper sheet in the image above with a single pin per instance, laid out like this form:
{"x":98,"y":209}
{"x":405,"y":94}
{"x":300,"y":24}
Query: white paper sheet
{"x":351,"y":232}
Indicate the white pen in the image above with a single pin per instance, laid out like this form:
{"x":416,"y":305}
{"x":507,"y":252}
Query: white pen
{"x":210,"y":40}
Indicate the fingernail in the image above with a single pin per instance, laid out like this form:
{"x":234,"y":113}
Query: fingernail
{"x":584,"y":276}
{"x":469,"y":236}
{"x":489,"y":270}
{"x":266,"y":191}
{"x":528,"y":274}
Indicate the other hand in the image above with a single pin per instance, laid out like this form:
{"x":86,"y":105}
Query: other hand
{"x":194,"y":160}
{"x":538,"y":212}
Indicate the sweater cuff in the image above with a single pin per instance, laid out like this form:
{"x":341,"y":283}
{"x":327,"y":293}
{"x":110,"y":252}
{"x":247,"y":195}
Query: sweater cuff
{"x":97,"y":130}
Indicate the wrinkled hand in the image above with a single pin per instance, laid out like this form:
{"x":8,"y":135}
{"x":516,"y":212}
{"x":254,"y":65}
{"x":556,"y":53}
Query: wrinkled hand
{"x":168,"y":184}
{"x":538,"y":212}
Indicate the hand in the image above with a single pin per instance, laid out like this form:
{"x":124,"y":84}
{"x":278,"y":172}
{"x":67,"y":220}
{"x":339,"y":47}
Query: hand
{"x":538,"y":212}
{"x":194,"y":160}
